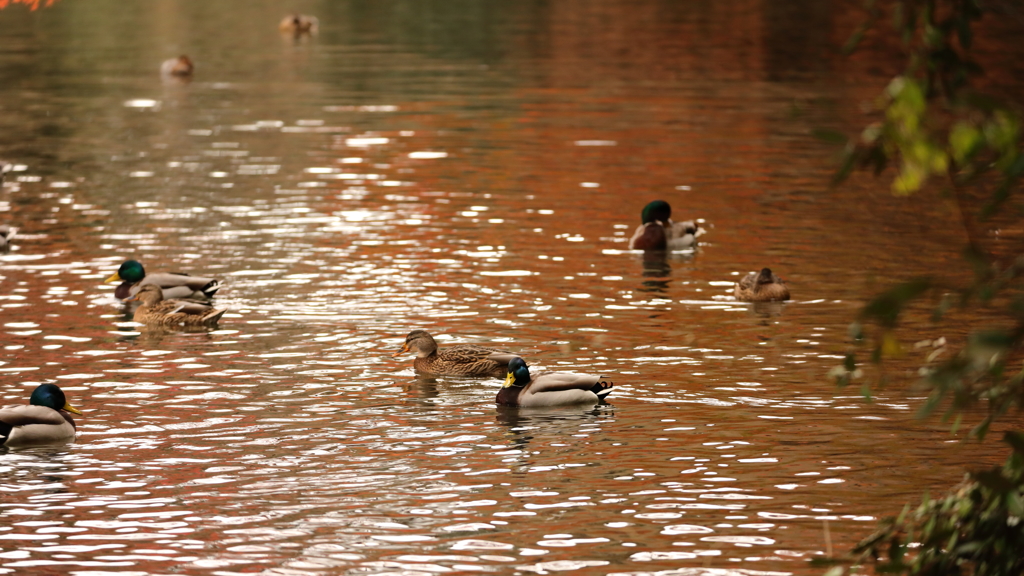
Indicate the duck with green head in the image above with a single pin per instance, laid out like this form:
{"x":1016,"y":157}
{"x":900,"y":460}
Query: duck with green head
{"x":657,"y":231}
{"x":132,"y":277}
{"x":45,"y":420}
{"x":528,"y":390}
{"x":458,"y":360}
{"x":763,"y":286}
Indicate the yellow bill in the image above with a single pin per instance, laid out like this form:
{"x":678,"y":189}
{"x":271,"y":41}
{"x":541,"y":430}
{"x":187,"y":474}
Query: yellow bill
{"x":72,"y":409}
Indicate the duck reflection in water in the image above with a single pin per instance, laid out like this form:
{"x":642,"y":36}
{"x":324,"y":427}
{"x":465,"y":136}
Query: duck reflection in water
{"x":527,"y":424}
{"x":422,"y":387}
{"x":657,"y":271}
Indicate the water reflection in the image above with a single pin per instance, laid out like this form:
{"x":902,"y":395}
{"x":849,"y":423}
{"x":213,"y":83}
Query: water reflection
{"x":400,"y":171}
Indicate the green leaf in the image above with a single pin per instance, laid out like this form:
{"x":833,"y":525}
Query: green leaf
{"x":1015,"y":438}
{"x":830,"y":136}
{"x":886,"y":307}
{"x":1014,"y":503}
{"x":965,"y":139}
{"x":994,"y":480}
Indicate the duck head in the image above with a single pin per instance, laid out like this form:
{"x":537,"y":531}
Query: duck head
{"x":765,"y":276}
{"x":148,"y":294}
{"x":131,"y":271}
{"x":656,"y":211}
{"x":51,"y":396}
{"x":420,"y":342}
{"x":518,"y":373}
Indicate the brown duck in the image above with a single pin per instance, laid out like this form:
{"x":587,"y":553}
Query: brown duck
{"x":763,"y":286}
{"x":299,"y":24}
{"x":180,"y":67}
{"x":172,"y":313}
{"x":458,"y":360}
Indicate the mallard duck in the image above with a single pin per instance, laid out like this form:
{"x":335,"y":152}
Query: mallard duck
{"x":458,"y":360}
{"x":549,"y":388}
{"x":173,"y":313}
{"x":761,"y":286}
{"x":180,"y":67}
{"x":44,"y":420}
{"x":132,"y":277}
{"x":657,"y":231}
{"x":6,"y":233}
{"x":299,"y":24}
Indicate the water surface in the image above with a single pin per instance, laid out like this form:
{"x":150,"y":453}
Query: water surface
{"x":472,"y":169}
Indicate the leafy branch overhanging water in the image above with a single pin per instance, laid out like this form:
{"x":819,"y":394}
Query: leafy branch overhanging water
{"x":938,"y":132}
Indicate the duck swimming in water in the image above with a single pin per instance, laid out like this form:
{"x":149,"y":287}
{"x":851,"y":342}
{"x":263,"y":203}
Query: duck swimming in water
{"x":458,"y":360}
{"x":763,"y":286}
{"x":657,"y":231}
{"x":299,"y":24}
{"x":528,"y":390}
{"x":45,"y":420}
{"x":172,"y":313}
{"x":180,"y":67}
{"x":132,"y":277}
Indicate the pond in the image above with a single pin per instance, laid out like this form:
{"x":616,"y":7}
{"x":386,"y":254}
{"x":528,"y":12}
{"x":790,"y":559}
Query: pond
{"x":473,"y":169}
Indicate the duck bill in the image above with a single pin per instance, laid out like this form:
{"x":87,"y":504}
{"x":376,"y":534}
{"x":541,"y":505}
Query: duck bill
{"x":509,"y":379}
{"x":131,"y":298}
{"x":405,"y":348}
{"x":115,"y":278}
{"x":72,"y":409}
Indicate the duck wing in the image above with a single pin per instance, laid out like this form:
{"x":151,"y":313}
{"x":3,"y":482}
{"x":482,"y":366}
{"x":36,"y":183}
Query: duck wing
{"x":747,"y":282}
{"x":17,"y":416}
{"x":466,"y":353}
{"x":178,"y":285}
{"x":185,"y":307}
{"x":558,"y":381}
{"x":502,"y":358}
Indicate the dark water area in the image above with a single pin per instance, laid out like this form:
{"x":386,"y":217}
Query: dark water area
{"x":473,"y":169}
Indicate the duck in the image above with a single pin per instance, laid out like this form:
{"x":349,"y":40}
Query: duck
{"x":45,"y":420}
{"x":657,"y":231}
{"x":527,"y":390}
{"x":763,"y":286}
{"x":180,"y":67}
{"x":155,"y":310}
{"x":458,"y":360}
{"x":132,"y":277}
{"x":299,"y":24}
{"x":6,"y":233}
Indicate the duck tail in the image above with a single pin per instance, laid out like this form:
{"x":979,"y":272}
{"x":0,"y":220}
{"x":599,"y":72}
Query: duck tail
{"x":213,"y":316}
{"x":211,"y":288}
{"x":602,"y":388}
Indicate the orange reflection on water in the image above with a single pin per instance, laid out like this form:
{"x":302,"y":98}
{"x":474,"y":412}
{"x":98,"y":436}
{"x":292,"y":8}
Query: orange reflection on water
{"x":32,"y":4}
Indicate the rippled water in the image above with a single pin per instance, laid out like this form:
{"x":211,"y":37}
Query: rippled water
{"x":473,"y":169}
